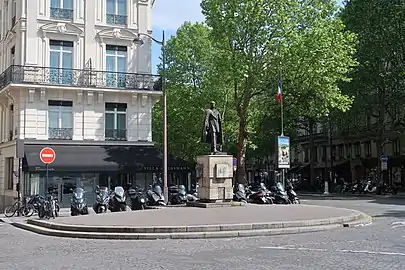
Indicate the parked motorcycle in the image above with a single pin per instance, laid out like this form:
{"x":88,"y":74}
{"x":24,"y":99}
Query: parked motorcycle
{"x":292,"y":195}
{"x":78,"y":204}
{"x":178,"y":195}
{"x":138,"y":198}
{"x":155,"y":196}
{"x":118,"y":200}
{"x":280,"y":195}
{"x":102,"y":200}
{"x":240,"y":194}
{"x":259,"y":196}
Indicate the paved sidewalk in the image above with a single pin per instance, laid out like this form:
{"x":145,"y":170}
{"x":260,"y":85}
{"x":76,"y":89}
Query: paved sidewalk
{"x":188,"y":216}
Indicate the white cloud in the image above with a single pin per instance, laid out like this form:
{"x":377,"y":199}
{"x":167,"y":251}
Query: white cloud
{"x":171,"y":14}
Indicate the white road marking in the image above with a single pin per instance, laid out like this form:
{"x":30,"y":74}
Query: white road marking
{"x":398,"y":224}
{"x":338,"y":250}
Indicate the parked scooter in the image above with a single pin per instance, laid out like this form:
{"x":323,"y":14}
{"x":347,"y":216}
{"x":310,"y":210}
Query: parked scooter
{"x":102,"y":200}
{"x":118,"y":200}
{"x":178,"y":195}
{"x":280,"y":195}
{"x":155,"y":196}
{"x":259,"y":196}
{"x":370,"y":188}
{"x":240,"y":194}
{"x":138,"y":198}
{"x":78,"y":204}
{"x":292,"y":195}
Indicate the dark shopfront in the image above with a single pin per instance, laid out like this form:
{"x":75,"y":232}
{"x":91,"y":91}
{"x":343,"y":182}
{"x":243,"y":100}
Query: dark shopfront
{"x":89,"y":165}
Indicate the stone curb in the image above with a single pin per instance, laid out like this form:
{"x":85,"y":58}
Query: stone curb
{"x":195,"y":228}
{"x":363,"y":220}
{"x":349,"y":195}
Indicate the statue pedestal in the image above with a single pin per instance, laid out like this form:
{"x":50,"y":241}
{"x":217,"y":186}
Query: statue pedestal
{"x":214,"y":176}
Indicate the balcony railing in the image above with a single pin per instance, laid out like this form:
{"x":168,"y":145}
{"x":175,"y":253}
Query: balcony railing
{"x":60,"y":133}
{"x":115,"y":134}
{"x":82,"y":78}
{"x":116,"y":19}
{"x":61,"y":13}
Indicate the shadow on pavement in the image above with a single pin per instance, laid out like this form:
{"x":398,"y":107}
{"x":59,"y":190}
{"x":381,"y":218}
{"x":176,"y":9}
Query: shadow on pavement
{"x":392,"y":214}
{"x":391,"y":201}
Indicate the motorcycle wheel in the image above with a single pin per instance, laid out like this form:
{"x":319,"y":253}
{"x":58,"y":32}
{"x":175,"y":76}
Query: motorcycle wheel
{"x":28,"y":210}
{"x":123,"y":207}
{"x":296,"y":201}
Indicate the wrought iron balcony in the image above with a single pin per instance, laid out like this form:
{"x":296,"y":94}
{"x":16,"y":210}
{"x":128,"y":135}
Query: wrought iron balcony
{"x":116,"y":19}
{"x":82,"y":78}
{"x":115,"y":134}
{"x":61,"y":13}
{"x":60,"y":134}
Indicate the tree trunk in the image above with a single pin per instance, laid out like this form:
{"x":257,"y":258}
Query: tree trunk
{"x":312,"y":150}
{"x":241,"y":153}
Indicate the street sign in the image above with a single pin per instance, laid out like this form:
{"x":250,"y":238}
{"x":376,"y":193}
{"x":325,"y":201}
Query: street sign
{"x":384,"y":165}
{"x":235,"y":165}
{"x":384,"y":158}
{"x":47,"y":155}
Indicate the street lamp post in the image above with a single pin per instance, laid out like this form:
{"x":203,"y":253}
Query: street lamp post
{"x":139,"y":41}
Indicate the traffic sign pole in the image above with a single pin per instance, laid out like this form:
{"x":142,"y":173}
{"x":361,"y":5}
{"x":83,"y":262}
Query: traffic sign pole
{"x":47,"y":156}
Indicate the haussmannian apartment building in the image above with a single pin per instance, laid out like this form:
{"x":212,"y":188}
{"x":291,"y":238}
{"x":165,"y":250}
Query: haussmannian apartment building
{"x":354,"y":152}
{"x":71,"y":78}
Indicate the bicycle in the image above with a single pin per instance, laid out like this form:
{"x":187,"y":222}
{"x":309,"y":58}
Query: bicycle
{"x":23,"y":207}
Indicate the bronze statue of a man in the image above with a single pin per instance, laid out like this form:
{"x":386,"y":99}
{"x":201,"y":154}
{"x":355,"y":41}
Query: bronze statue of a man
{"x":212,"y":132}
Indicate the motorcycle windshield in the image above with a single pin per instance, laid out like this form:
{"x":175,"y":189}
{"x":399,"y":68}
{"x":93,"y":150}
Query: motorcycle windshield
{"x":157,"y":189}
{"x":262,"y":186}
{"x":78,"y":193}
{"x":241,"y":188}
{"x":280,"y":187}
{"x":119,"y":191}
{"x":104,"y":193}
{"x":182,"y":187}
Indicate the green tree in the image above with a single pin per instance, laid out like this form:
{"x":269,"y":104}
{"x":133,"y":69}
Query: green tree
{"x":259,"y":38}
{"x":379,"y":80}
{"x":192,"y":82}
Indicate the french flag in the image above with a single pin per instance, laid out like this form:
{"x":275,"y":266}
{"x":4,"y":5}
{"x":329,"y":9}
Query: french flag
{"x":280,"y":92}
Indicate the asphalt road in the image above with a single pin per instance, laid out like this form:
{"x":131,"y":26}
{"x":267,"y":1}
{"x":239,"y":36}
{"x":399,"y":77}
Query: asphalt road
{"x":378,"y":246}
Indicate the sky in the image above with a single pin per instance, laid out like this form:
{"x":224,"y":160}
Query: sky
{"x":168,"y":15}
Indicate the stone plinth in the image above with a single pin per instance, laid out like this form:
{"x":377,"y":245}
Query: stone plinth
{"x":214,"y":175}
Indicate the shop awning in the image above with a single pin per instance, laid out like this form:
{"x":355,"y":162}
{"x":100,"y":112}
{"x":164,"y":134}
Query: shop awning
{"x":101,"y":158}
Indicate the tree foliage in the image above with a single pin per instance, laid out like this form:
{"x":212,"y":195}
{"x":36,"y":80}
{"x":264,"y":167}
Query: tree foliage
{"x":258,"y":39}
{"x":192,"y":82}
{"x":379,"y":80}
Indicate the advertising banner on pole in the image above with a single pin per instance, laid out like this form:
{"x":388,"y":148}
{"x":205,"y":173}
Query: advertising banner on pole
{"x":283,"y":152}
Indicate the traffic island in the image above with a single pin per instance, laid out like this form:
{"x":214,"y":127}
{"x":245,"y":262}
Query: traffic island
{"x":200,"y":223}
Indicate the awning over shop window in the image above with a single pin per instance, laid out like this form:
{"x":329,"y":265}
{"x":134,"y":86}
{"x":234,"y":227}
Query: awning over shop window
{"x":102,"y":158}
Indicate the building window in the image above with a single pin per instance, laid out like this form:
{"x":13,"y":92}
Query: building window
{"x":396,"y":147}
{"x":62,"y":9}
{"x":61,"y":61}
{"x":341,"y":153}
{"x":357,"y":149}
{"x":117,"y":12}
{"x":116,"y":121}
{"x":12,"y":55}
{"x":323,"y":153}
{"x":60,"y":119}
{"x":13,"y":14}
{"x":333,"y":153}
{"x":116,"y":59}
{"x":9,"y":172}
{"x":367,"y":148}
{"x":316,"y":154}
{"x":349,"y":150}
{"x":11,"y":125}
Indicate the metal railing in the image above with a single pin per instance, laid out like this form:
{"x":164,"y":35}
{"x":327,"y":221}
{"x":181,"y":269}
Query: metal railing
{"x":115,"y":134}
{"x":60,"y":133}
{"x":62,"y":13}
{"x":116,"y":19}
{"x":78,"y":78}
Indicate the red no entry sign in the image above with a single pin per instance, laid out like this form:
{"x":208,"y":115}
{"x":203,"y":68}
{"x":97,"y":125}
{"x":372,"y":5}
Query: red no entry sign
{"x":47,"y":155}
